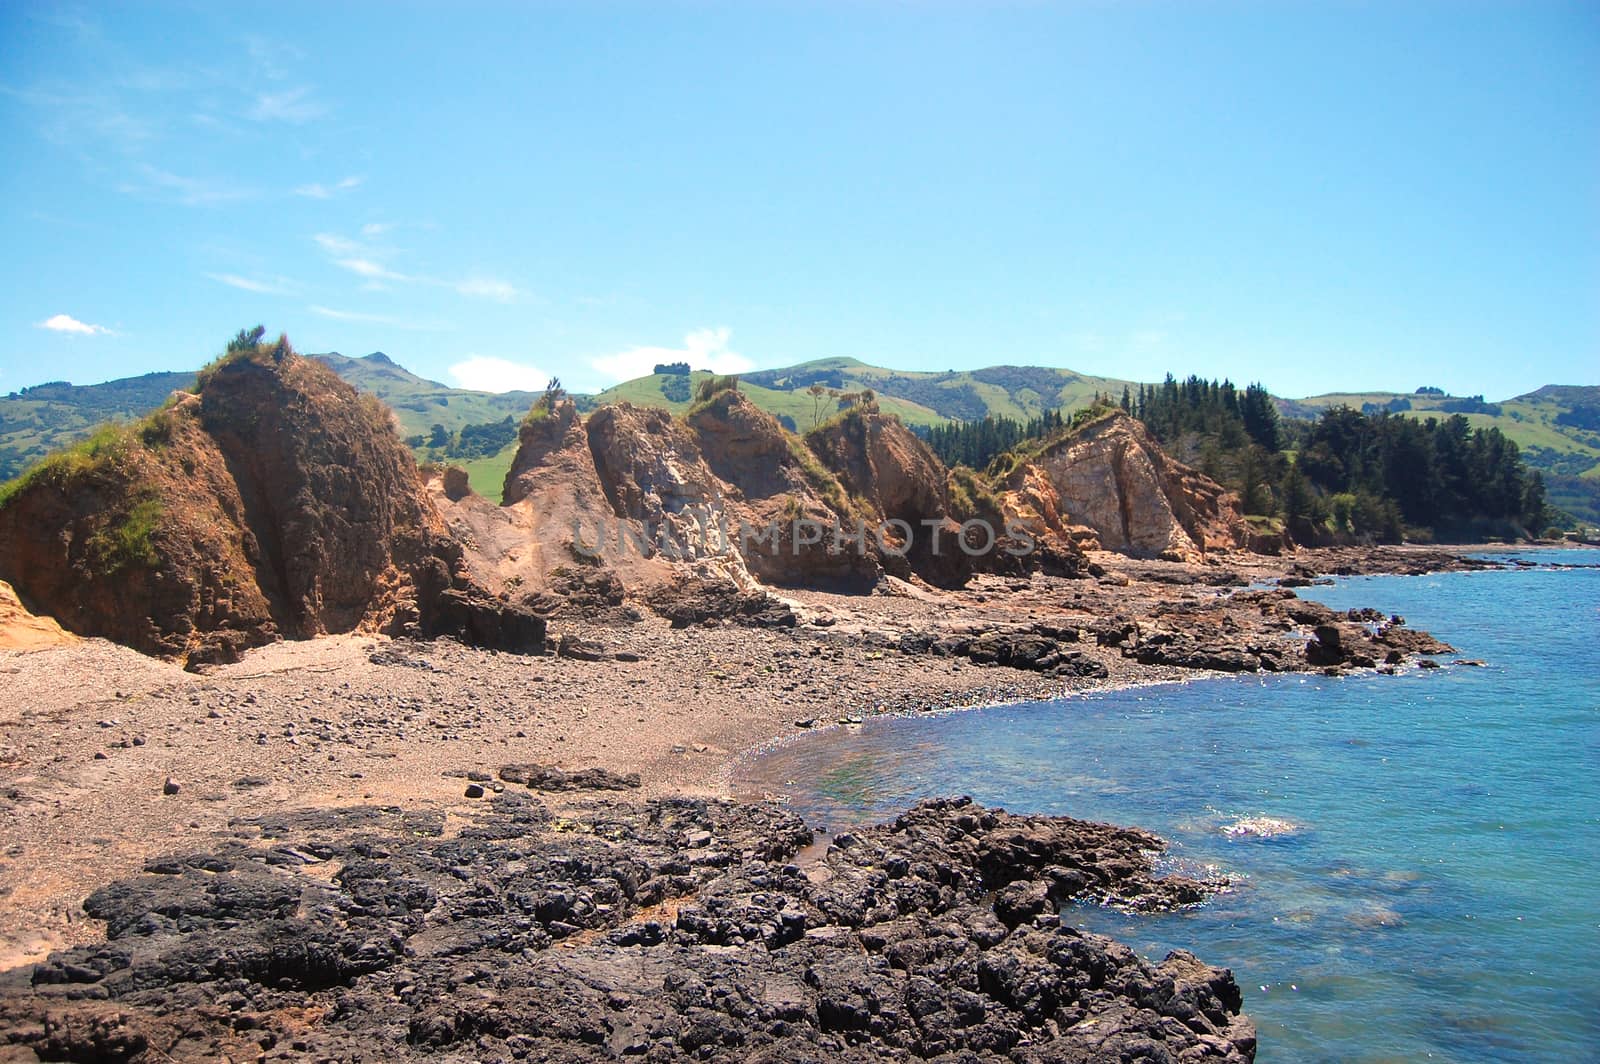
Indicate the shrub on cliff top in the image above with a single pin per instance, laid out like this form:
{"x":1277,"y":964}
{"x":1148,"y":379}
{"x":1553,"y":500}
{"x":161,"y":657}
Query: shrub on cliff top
{"x":247,"y":344}
{"x":712,"y":385}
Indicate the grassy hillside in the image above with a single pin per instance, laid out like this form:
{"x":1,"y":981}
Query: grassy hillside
{"x":1005,"y":391}
{"x":47,"y":417}
{"x":420,"y":403}
{"x":1558,"y":427}
{"x":661,"y":389}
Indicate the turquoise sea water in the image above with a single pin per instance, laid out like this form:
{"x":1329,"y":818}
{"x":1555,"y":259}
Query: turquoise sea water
{"x":1434,"y":891}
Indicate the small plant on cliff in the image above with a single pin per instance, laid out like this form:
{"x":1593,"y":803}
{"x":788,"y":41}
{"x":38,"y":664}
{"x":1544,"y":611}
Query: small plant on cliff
{"x":970,"y":497}
{"x":545,"y":405}
{"x":714,"y":385}
{"x":128,"y":540}
{"x":817,"y":475}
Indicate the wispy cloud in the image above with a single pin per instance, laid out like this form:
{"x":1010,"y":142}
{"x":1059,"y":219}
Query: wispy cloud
{"x":702,"y":349}
{"x":372,"y":270}
{"x":276,"y":286}
{"x":488,"y":288}
{"x":317,"y":190}
{"x":270,"y":58}
{"x":295,"y":106}
{"x":483,"y":374}
{"x":372,"y":319}
{"x":368,"y":260}
{"x":66,"y":323}
{"x":334,"y":244}
{"x":188,"y":191}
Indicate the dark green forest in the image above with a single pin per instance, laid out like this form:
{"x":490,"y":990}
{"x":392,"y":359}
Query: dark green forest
{"x":1372,"y":474}
{"x":1378,"y":475}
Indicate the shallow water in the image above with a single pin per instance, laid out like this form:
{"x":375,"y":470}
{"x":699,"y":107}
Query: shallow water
{"x":1416,"y":858}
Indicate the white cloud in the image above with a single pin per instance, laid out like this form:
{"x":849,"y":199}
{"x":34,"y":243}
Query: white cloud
{"x":294,"y":105}
{"x":66,"y":323}
{"x":366,"y":260}
{"x":317,"y":190}
{"x":369,"y":319}
{"x":334,"y":244}
{"x":278,"y":286}
{"x":702,"y":349}
{"x":483,"y":374}
{"x":189,"y":191}
{"x":487,"y":288}
{"x":372,"y":270}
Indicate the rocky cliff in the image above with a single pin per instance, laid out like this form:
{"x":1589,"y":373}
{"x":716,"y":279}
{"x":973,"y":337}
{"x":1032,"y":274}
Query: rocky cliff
{"x":1111,"y":486}
{"x":897,"y":477}
{"x":275,"y":502}
{"x":634,"y":500}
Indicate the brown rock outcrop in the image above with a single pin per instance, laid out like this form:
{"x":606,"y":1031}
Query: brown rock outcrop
{"x":883,"y":465}
{"x":633,"y":497}
{"x":276,"y":502}
{"x":1110,"y":485}
{"x":771,"y":481}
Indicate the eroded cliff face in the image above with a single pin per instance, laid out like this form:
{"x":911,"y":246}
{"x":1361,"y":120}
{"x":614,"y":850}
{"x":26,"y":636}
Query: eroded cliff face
{"x":276,"y":502}
{"x":1111,"y":486}
{"x":770,"y":481}
{"x":631,"y":501}
{"x":898,"y":477}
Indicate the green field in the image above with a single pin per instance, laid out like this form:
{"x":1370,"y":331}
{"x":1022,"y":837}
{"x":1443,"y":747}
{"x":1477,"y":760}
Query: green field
{"x":47,"y":417}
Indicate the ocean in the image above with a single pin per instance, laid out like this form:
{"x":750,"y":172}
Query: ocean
{"x":1415,"y":859}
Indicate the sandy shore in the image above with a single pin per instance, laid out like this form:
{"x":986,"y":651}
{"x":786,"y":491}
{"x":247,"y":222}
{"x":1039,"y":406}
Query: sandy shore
{"x":91,"y":733}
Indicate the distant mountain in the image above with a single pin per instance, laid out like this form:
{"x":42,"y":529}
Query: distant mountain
{"x":37,"y":420}
{"x":420,"y":403}
{"x":1557,"y":426}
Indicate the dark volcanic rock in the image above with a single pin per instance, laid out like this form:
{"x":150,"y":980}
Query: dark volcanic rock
{"x":687,"y":930}
{"x":550,"y":778}
{"x":696,"y":601}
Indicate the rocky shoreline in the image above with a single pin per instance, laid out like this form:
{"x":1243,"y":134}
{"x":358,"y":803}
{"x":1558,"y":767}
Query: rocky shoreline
{"x":677,"y":929}
{"x":355,"y":738}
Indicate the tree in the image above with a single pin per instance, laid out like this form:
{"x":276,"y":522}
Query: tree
{"x":1300,"y":505}
{"x":1254,"y":494}
{"x":438,"y":436}
{"x":1261,"y":418}
{"x":818,"y":392}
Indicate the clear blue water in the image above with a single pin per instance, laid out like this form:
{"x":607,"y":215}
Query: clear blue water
{"x":1439,"y":895}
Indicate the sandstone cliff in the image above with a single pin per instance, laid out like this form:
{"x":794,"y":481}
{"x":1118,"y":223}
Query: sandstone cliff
{"x":276,"y":502}
{"x":633,"y":500}
{"x":1111,"y":486}
{"x":898,"y":478}
{"x":21,"y":630}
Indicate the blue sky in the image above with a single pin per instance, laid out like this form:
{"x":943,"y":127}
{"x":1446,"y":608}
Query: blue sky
{"x":1319,"y":196}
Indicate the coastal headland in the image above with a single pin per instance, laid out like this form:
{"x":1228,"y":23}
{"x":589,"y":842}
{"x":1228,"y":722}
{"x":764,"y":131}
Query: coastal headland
{"x":282,"y":767}
{"x":322,"y":756}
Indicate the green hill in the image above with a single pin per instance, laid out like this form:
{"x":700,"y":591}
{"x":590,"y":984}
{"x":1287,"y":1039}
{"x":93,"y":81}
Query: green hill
{"x":420,"y":403}
{"x":41,"y":419}
{"x":1557,"y":426}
